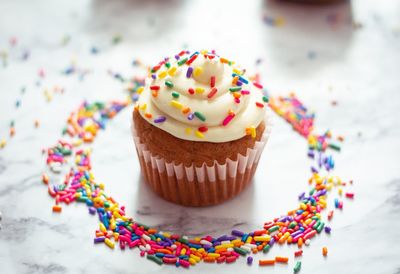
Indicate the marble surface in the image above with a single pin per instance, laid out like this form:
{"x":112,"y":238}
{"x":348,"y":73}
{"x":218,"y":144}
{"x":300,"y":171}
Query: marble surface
{"x":348,"y":53}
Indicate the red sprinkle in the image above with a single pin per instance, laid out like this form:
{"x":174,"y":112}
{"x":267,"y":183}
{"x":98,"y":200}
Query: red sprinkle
{"x":298,"y":253}
{"x":349,"y":195}
{"x":154,"y":87}
{"x":203,"y":129}
{"x":260,"y":105}
{"x":212,"y":81}
{"x":213,"y":91}
{"x":191,"y":91}
{"x":192,"y":59}
{"x":258,"y":85}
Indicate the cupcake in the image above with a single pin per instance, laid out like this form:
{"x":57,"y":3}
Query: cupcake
{"x":199,"y":128}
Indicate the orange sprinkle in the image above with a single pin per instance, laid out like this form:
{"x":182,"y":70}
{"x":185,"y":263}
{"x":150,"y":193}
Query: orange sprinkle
{"x":209,"y":259}
{"x":266,"y":262}
{"x":57,"y":208}
{"x":154,"y":93}
{"x":325,"y":251}
{"x":185,"y":110}
{"x":148,"y":115}
{"x":279,"y":259}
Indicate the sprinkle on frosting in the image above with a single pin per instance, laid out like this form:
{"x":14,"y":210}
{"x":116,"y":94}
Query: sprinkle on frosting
{"x":207,"y":93}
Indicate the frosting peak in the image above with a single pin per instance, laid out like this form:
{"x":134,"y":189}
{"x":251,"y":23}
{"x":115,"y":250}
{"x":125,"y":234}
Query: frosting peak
{"x":202,"y":97}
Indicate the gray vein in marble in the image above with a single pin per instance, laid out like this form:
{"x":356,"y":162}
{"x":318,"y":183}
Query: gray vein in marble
{"x":44,"y":269}
{"x":23,"y":185}
{"x":18,"y":229}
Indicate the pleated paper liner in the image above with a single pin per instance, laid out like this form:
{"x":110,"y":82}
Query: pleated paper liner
{"x":200,"y":186}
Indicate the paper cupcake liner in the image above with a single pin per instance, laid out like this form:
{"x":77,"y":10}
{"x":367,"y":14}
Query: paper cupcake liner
{"x":199,"y":186}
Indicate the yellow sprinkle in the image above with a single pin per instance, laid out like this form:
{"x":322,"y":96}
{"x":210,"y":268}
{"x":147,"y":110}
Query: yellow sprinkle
{"x":199,"y":134}
{"x":265,"y":238}
{"x":303,"y":206}
{"x":162,"y":74}
{"x":172,"y":71}
{"x":192,"y":261}
{"x":140,"y":90}
{"x":176,"y":104}
{"x":213,"y":255}
{"x":249,"y":239}
{"x":102,"y":228}
{"x":235,"y":70}
{"x":143,"y":107}
{"x":109,"y":243}
{"x":188,"y":130}
{"x":199,"y":90}
{"x":340,"y":191}
{"x":183,"y":251}
{"x":166,"y":234}
{"x":198,"y":71}
{"x":3,"y":143}
{"x":224,"y":246}
{"x":194,"y":257}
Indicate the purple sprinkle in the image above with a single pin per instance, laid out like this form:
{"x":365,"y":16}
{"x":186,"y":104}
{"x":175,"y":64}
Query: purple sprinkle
{"x":294,"y":234}
{"x":190,"y":116}
{"x":153,"y":76}
{"x":239,"y":83}
{"x":237,"y":233}
{"x":249,"y":260}
{"x":301,"y":196}
{"x":92,"y":210}
{"x":311,"y":154}
{"x":189,"y":72}
{"x":160,"y":119}
{"x":222,"y":238}
{"x":177,"y":57}
{"x":271,"y":242}
{"x":328,"y":229}
{"x":169,"y":256}
{"x":99,"y":240}
{"x":314,"y":170}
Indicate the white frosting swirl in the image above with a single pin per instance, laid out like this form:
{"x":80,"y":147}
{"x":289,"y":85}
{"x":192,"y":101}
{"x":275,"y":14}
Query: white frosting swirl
{"x":202,"y":97}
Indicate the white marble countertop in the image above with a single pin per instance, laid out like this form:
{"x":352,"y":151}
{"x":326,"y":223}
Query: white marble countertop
{"x":317,"y":52}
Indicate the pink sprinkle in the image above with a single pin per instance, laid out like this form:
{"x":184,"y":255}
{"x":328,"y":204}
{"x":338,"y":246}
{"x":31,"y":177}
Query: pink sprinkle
{"x":237,"y":100}
{"x":245,"y":92}
{"x":228,"y":119}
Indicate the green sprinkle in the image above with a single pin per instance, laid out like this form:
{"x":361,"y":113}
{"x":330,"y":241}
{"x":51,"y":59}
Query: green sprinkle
{"x":241,"y":251}
{"x":334,"y":146}
{"x":183,"y":240}
{"x":265,"y":99}
{"x":292,"y":225}
{"x":317,"y":224}
{"x":116,"y":39}
{"x":175,"y":94}
{"x":274,"y":228}
{"x":266,"y":248}
{"x":200,"y":116}
{"x":152,"y":237}
{"x":82,"y":199}
{"x":297,"y":267}
{"x":155,"y":259}
{"x":233,"y":89}
{"x":181,"y":62}
{"x":312,"y":191}
{"x":168,"y":65}
{"x":106,"y":204}
{"x":169,"y":84}
{"x":320,"y":227}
